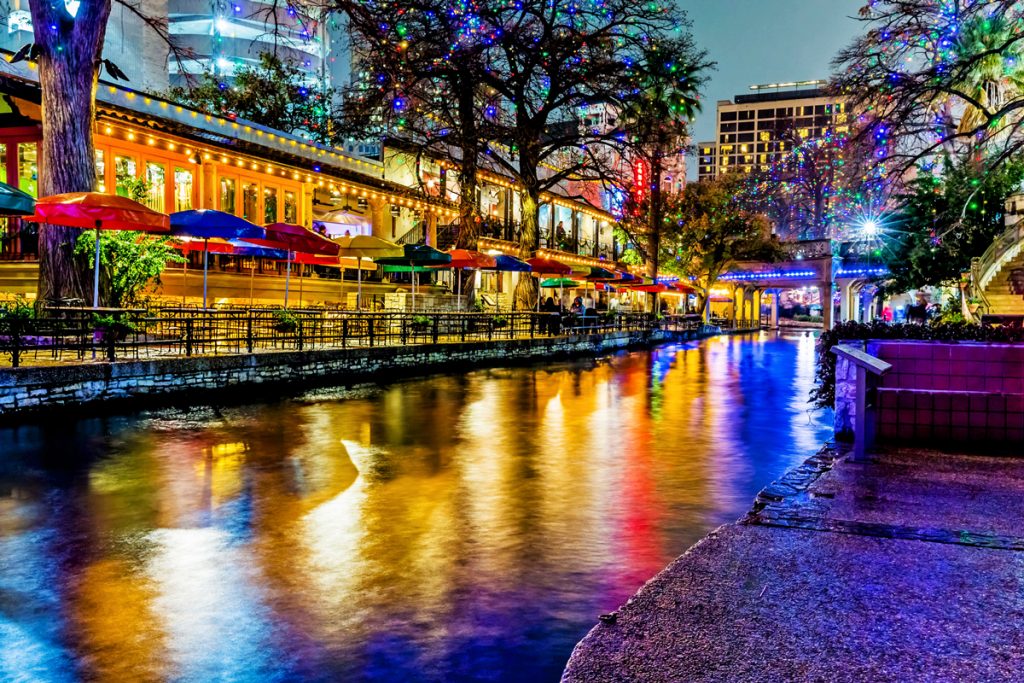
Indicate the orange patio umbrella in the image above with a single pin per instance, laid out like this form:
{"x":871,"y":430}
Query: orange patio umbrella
{"x":98,"y":211}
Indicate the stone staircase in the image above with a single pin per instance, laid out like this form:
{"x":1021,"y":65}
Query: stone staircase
{"x":1005,"y":293}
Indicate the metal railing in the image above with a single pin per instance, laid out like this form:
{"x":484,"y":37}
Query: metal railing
{"x":77,"y":335}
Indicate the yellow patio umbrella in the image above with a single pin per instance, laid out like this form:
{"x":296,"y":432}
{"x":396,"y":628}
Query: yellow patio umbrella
{"x":368,"y":247}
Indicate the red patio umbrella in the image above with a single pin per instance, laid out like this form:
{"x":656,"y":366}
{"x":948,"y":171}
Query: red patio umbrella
{"x":467,"y":259}
{"x":295,"y":239}
{"x":546,"y":267}
{"x":98,"y":211}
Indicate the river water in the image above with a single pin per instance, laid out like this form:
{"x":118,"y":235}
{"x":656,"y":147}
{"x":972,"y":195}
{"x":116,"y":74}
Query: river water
{"x":454,"y":528}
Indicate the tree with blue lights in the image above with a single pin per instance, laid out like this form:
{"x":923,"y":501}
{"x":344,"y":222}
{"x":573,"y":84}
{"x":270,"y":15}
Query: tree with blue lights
{"x":935,"y":78}
{"x":417,"y":84}
{"x":559,"y":71}
{"x":273,"y":93}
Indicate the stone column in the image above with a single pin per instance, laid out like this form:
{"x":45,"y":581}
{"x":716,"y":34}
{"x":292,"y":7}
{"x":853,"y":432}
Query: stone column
{"x":844,"y":299}
{"x":825,"y":291}
{"x":756,"y":299}
{"x":430,"y":229}
{"x":380,"y":218}
{"x":775,"y":308}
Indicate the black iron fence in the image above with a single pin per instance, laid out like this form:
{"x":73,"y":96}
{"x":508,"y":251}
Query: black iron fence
{"x":78,"y":335}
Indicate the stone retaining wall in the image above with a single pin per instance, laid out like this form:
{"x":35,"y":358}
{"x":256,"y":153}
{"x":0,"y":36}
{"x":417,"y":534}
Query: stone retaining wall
{"x":36,"y":389}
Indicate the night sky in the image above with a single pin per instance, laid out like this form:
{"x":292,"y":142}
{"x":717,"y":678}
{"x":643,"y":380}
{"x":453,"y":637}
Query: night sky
{"x":766,"y":41}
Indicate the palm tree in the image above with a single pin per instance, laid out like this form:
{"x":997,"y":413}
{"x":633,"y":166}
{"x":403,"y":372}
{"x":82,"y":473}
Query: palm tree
{"x":655,"y":117}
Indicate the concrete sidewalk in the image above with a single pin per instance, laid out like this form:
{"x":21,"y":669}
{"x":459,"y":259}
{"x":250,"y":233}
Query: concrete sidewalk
{"x":909,"y":567}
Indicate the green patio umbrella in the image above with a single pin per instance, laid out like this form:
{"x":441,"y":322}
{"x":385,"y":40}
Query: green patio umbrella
{"x":14,"y":202}
{"x":417,"y":256}
{"x":559,"y":282}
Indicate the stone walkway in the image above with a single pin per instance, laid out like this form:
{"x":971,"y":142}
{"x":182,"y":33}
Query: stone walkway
{"x":908,"y":567}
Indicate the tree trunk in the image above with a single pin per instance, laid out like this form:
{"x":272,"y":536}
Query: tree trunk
{"x":528,"y":288}
{"x":68,"y":70}
{"x":469,"y":229}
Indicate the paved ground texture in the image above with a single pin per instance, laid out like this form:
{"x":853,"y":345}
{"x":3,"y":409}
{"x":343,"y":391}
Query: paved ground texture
{"x":909,"y":567}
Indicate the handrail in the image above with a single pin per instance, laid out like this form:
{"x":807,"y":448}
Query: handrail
{"x":864,"y":423}
{"x":875,"y":366}
{"x":1003,"y":248}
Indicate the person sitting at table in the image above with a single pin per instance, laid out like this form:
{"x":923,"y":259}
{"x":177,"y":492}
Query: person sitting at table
{"x":577,"y":307}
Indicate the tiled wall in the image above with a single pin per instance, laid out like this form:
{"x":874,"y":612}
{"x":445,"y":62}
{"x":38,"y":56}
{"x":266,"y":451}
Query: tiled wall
{"x":966,"y":392}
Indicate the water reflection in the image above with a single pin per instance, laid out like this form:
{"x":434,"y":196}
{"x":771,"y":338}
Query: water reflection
{"x":449,"y":529}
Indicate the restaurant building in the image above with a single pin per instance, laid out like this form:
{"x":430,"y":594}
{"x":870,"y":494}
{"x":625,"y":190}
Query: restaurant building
{"x":181,"y":159}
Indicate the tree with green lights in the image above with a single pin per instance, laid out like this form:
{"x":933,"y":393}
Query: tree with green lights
{"x":934,"y":77}
{"x":273,"y":93}
{"x":712,"y":231}
{"x":552,"y":67}
{"x":944,"y":221}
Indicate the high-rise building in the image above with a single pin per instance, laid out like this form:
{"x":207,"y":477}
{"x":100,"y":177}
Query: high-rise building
{"x":226,"y":35}
{"x":130,"y":44}
{"x":754,"y":130}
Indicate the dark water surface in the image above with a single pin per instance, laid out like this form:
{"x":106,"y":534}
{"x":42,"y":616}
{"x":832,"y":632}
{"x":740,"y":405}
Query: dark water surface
{"x":467,"y":528}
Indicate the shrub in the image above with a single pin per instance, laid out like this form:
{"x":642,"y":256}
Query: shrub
{"x":801,"y":318}
{"x":112,"y":328}
{"x":499,"y":321}
{"x":285,"y":322}
{"x":824,"y":393}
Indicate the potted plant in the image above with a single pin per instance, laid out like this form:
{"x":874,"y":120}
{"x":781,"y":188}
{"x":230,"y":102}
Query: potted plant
{"x":109,"y":328}
{"x":973,"y":303}
{"x":499,"y":321}
{"x":420,"y":323}
{"x":285,"y":322}
{"x":15,"y":319}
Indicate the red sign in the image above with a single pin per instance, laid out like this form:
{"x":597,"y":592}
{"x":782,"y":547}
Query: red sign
{"x":640,"y":181}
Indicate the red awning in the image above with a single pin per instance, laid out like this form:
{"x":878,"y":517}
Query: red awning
{"x":92,"y":210}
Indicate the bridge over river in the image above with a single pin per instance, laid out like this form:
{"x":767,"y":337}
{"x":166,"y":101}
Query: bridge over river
{"x":820,"y":264}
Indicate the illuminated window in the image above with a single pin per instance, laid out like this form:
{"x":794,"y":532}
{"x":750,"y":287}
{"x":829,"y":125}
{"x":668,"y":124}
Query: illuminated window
{"x":156,"y":178}
{"x":28,"y":168}
{"x":743,"y":148}
{"x":842,"y":129}
{"x":182,"y":189}
{"x":804,"y":133}
{"x":765,"y":136}
{"x":291,"y":208}
{"x":101,"y":171}
{"x":251,"y":202}
{"x":125,"y":174}
{"x":227,"y":195}
{"x":269,"y":204}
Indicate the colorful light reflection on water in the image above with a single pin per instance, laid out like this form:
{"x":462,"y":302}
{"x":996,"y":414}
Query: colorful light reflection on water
{"x":465,"y":528}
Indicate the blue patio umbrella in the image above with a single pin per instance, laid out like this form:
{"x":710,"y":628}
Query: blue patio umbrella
{"x":207,"y":224}
{"x":510,"y":264}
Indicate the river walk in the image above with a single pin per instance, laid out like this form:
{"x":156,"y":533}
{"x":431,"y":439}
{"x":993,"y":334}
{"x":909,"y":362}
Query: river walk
{"x":908,"y":566}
